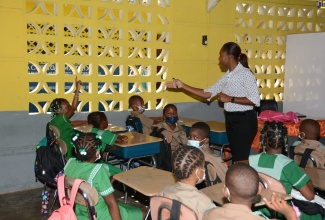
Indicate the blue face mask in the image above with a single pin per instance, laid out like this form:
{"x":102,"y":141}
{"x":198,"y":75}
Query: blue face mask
{"x":171,"y":120}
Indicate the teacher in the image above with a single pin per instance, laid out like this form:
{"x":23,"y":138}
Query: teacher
{"x":237,"y":89}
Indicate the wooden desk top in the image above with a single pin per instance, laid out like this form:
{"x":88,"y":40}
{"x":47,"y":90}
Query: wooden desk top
{"x":317,"y":176}
{"x":146,"y":180}
{"x":135,"y":138}
{"x":215,"y":126}
{"x":215,"y":193}
{"x":110,"y":127}
{"x":184,"y":120}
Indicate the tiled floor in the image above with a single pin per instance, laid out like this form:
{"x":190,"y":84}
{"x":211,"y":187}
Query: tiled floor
{"x":26,"y":205}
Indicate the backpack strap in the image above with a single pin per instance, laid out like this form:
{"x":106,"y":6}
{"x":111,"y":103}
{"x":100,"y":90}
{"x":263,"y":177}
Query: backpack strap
{"x":74,"y":190}
{"x":175,"y":211}
{"x":210,"y":182}
{"x":61,"y":190}
{"x":305,"y":157}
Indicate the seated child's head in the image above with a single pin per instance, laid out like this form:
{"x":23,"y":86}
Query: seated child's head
{"x":309,"y":129}
{"x":98,"y":120}
{"x":273,"y":135}
{"x":199,"y":134}
{"x":170,"y":114}
{"x":59,"y":106}
{"x":136,"y":103}
{"x":188,"y":163}
{"x":241,"y":183}
{"x":87,"y":147}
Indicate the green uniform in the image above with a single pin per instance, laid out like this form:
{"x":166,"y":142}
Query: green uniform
{"x":66,"y":132}
{"x":97,"y":175}
{"x":108,"y":139}
{"x":283,"y":169}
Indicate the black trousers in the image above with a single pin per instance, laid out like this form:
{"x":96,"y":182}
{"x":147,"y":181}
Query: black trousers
{"x":241,"y":129}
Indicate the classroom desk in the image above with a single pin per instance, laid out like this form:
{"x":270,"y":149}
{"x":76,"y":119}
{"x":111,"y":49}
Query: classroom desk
{"x":110,"y":127}
{"x":184,"y":120}
{"x":215,"y":193}
{"x":146,"y":180}
{"x":137,"y":146}
{"x":317,"y":176}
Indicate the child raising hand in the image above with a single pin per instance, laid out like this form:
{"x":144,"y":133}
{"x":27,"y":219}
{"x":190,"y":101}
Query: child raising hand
{"x":62,"y":111}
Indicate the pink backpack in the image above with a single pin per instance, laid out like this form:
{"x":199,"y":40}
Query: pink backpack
{"x":66,"y":212}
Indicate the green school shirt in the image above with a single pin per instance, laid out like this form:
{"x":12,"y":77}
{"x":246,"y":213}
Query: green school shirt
{"x":98,"y":176}
{"x":66,"y":132}
{"x":286,"y":171}
{"x":107,"y":137}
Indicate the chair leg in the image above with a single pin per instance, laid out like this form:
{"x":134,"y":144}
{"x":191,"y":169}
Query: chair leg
{"x":54,"y":199}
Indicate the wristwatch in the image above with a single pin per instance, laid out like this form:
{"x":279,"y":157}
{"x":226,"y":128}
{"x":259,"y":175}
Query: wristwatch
{"x":232,"y":100}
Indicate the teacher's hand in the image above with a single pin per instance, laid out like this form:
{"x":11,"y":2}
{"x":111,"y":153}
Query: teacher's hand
{"x":223,"y":97}
{"x":175,"y":84}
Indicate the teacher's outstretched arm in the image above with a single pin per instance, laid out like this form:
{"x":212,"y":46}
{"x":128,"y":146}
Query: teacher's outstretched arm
{"x":177,"y":84}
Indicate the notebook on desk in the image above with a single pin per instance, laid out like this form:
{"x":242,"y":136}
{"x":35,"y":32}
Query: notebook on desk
{"x":299,"y":115}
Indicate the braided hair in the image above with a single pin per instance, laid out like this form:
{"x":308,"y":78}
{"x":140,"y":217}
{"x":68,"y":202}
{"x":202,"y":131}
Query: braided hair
{"x":96,"y":118}
{"x":185,"y":160}
{"x":274,"y":135}
{"x":55,"y":106}
{"x":86,"y":145}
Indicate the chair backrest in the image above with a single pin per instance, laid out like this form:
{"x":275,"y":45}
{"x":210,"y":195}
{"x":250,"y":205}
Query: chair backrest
{"x":86,"y":196}
{"x":54,"y":130}
{"x":271,"y":183}
{"x":267,"y":104}
{"x":161,"y":207}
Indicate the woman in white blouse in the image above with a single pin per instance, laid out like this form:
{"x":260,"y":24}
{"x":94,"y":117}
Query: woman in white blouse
{"x":237,"y":89}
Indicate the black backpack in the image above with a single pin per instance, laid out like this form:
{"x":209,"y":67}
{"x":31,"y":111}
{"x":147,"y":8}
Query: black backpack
{"x":48,"y":162}
{"x":163,"y":159}
{"x":134,"y":124}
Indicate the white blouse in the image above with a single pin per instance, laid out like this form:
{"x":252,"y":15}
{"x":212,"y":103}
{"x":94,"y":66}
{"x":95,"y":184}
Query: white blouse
{"x":238,"y":83}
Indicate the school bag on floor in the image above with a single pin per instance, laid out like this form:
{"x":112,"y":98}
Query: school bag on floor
{"x":66,"y":212}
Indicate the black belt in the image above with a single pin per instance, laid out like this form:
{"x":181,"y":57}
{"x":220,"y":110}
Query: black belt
{"x":239,"y":113}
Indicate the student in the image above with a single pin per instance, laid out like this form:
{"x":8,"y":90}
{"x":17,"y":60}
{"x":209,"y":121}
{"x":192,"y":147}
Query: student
{"x":62,"y":111}
{"x":99,"y":122}
{"x":136,"y":103}
{"x":188,"y":167}
{"x":170,"y":117}
{"x":87,"y":147}
{"x":309,"y":130}
{"x":273,"y":163}
{"x":241,"y":186}
{"x":199,"y":137}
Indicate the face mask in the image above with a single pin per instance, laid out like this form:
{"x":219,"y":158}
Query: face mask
{"x":194,"y":143}
{"x":301,"y":135}
{"x":171,"y":120}
{"x":228,"y":197}
{"x":141,"y":109}
{"x":199,"y":179}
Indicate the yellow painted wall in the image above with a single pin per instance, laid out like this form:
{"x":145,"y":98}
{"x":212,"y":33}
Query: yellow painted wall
{"x":187,"y":58}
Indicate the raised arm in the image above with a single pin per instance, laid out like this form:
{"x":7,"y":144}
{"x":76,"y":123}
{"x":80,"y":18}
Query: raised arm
{"x":177,"y":84}
{"x":74,"y":103}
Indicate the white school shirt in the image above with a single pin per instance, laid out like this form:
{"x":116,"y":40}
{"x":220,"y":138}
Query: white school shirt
{"x":238,"y":83}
